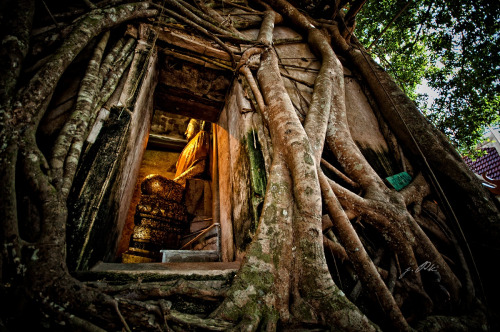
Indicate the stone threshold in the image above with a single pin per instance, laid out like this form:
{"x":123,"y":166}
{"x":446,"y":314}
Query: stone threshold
{"x":170,"y":256}
{"x":157,"y":272}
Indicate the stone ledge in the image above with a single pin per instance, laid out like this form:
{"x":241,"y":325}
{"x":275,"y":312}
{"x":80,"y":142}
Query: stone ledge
{"x":170,"y":256}
{"x":155,"y":272}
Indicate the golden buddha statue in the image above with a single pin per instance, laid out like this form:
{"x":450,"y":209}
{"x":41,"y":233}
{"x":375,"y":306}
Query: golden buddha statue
{"x":161,"y":217}
{"x":193,"y":158}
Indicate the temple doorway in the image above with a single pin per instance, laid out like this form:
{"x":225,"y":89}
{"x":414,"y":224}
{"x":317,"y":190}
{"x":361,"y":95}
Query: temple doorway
{"x":172,"y":221}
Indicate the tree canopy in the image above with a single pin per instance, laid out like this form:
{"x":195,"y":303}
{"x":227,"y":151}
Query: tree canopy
{"x":453,"y":46}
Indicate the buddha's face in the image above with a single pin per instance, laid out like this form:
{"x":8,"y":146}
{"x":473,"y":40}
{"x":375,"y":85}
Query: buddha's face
{"x":190,"y":131}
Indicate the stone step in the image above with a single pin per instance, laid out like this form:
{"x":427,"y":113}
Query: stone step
{"x":157,"y":272}
{"x":189,"y":256}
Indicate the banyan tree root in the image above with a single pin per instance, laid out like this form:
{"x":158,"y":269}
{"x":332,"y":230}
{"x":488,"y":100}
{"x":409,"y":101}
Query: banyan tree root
{"x":290,"y":293}
{"x":92,"y":95}
{"x":380,"y":207}
{"x":66,"y":150}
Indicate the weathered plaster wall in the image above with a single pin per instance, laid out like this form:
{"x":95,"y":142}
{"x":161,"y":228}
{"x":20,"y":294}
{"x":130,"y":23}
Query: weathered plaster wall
{"x":169,"y":124}
{"x":239,"y":124}
{"x":224,"y":186}
{"x":242,"y":176}
{"x":365,"y":129}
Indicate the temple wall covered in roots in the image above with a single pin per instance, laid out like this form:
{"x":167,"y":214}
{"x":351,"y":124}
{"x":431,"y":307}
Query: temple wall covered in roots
{"x":106,"y":190}
{"x":256,"y":164}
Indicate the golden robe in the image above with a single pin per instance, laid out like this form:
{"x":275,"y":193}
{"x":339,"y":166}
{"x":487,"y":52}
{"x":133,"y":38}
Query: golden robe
{"x":196,"y":150}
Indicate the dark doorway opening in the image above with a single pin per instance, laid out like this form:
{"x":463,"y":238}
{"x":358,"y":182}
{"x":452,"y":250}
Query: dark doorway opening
{"x":151,"y":233}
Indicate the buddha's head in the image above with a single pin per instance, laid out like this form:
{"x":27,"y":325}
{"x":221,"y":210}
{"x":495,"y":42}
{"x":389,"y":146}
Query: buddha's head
{"x":192,"y":129}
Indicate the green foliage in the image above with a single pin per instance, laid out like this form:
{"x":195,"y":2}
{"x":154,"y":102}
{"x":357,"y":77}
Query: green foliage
{"x":454,"y":46}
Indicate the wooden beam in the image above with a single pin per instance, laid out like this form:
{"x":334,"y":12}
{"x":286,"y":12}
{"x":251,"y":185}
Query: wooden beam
{"x":184,"y":102}
{"x":193,"y":44}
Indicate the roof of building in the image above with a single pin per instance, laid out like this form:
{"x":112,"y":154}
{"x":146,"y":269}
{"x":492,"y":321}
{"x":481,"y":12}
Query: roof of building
{"x":489,"y":164}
